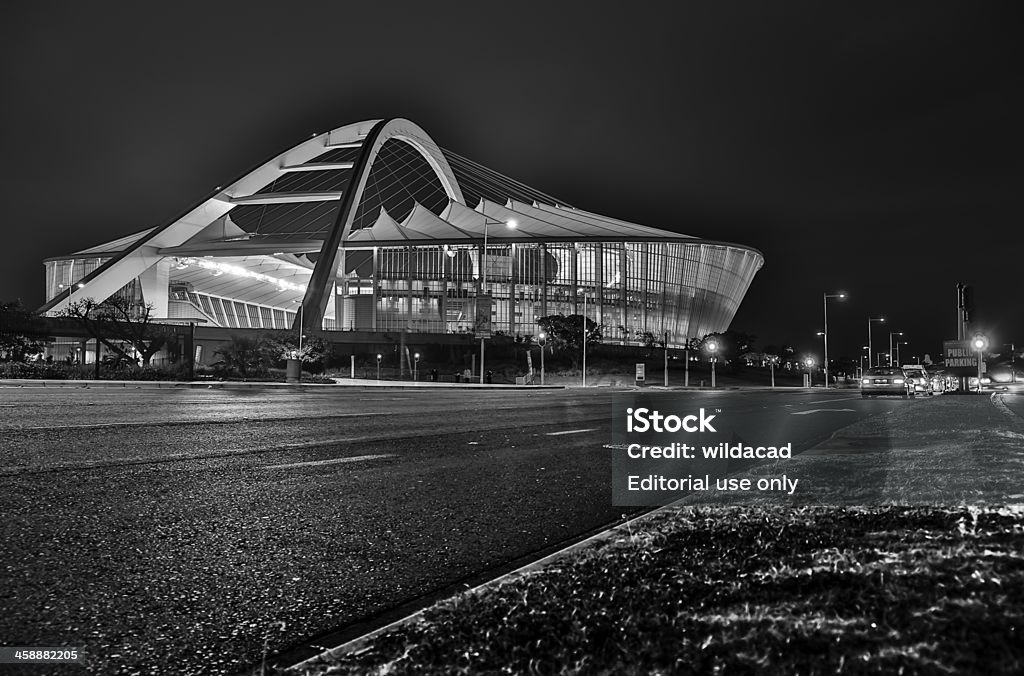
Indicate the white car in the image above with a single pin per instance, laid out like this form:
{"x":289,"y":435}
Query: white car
{"x":920,"y":381}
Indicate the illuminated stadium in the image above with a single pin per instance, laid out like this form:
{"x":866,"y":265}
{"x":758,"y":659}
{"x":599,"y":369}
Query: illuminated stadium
{"x":373,"y":227}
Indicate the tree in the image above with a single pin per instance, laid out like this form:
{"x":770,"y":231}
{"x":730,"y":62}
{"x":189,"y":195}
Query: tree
{"x":243,"y":354}
{"x":650,"y":339}
{"x":565,"y":334}
{"x":313,"y":355}
{"x":22,"y":334}
{"x":124,"y":326}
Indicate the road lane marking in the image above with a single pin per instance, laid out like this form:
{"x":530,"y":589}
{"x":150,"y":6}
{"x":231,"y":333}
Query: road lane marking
{"x":832,"y":401}
{"x":333,"y":461}
{"x":173,"y":423}
{"x":557,"y":434}
{"x":822,"y":410}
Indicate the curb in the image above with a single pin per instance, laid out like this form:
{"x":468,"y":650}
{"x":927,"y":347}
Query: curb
{"x":174,"y":384}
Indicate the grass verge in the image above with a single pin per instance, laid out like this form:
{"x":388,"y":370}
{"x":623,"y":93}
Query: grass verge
{"x":763,"y":589}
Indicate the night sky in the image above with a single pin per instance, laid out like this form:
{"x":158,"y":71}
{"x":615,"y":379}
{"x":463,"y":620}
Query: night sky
{"x":875,"y":149}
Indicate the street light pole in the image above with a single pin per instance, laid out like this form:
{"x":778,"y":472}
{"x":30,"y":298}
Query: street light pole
{"x":584,"y":338}
{"x":822,"y":333}
{"x":898,"y":343}
{"x":543,"y":341}
{"x":483,"y":278}
{"x":872,"y":319}
{"x":666,"y":359}
{"x":713,"y":348}
{"x":379,"y":357}
{"x":825,"y":296}
{"x":979,"y":343}
{"x":891,"y":334}
{"x":416,"y":367}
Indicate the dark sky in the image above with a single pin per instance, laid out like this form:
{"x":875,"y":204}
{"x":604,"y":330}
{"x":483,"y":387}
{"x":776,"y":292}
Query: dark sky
{"x":876,"y":149}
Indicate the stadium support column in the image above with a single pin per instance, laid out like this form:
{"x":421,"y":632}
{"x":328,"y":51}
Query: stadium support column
{"x":574,"y":276}
{"x":408,"y":289}
{"x":624,"y":290}
{"x":154,"y":282}
{"x":442,"y":302}
{"x":512,"y":290}
{"x":599,"y":281}
{"x":645,"y":270}
{"x":544,"y":280}
{"x":340,"y":291}
{"x":375,"y":279}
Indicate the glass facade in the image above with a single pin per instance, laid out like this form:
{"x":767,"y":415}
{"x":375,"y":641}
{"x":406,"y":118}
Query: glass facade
{"x":687,"y":288}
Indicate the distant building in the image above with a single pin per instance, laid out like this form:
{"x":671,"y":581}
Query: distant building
{"x":373,"y":227}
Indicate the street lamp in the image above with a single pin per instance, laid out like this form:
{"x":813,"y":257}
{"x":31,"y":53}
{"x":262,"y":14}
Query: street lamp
{"x":898,"y":343}
{"x":379,"y":357}
{"x":416,"y":367}
{"x":542,"y":341}
{"x":772,"y":361}
{"x":864,"y":348}
{"x":979,"y":342}
{"x":891,"y":334}
{"x":872,"y":319}
{"x":713,"y":349}
{"x":825,"y":296}
{"x":511,"y":223}
{"x":584,"y":337}
{"x":809,"y":362}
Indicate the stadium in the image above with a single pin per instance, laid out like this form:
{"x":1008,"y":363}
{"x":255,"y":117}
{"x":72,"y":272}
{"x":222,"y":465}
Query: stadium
{"x":372,"y":227}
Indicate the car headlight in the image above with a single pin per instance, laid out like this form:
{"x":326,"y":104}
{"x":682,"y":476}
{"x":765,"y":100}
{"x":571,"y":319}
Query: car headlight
{"x":899,"y":381}
{"x":866,"y":381}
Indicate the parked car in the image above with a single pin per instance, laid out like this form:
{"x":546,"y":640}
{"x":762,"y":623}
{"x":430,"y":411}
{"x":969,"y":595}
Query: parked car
{"x":885,"y":380}
{"x":920,"y":381}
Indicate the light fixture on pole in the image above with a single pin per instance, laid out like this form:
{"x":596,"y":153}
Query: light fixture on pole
{"x":416,"y":367}
{"x":772,"y":361}
{"x":809,"y":363}
{"x":872,"y":319}
{"x":822,"y":333}
{"x":891,"y":334}
{"x":825,"y":296}
{"x":512,"y":224}
{"x":713,"y":349}
{"x":898,"y":343}
{"x":379,"y":357}
{"x":666,"y":358}
{"x":980,"y":343}
{"x":584,"y":337}
{"x":864,"y":348}
{"x":542,"y":341}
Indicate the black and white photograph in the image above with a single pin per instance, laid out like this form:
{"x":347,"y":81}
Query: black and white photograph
{"x":530,"y":338}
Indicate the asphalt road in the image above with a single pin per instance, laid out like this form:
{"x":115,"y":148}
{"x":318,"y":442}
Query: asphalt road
{"x":1014,"y":402}
{"x":181,"y":531}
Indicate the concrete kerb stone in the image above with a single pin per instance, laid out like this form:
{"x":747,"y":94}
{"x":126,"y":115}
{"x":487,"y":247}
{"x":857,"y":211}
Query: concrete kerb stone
{"x":233,"y":384}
